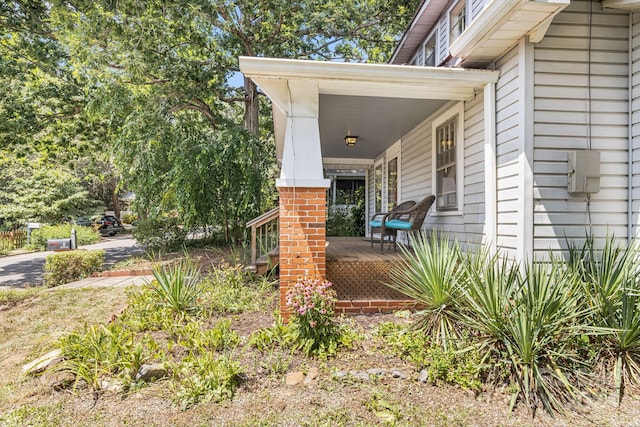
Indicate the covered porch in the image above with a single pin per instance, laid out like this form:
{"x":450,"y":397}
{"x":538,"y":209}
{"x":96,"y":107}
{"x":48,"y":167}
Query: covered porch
{"x":359,"y":274}
{"x":316,"y":105}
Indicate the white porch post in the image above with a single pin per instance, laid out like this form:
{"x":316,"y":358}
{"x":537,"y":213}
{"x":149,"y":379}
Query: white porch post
{"x":490,"y":206}
{"x":302,"y":188}
{"x":302,"y":156}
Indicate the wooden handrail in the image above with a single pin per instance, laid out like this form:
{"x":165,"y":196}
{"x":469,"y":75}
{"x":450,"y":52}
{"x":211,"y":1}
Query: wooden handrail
{"x":263,"y":228}
{"x":264,"y":218}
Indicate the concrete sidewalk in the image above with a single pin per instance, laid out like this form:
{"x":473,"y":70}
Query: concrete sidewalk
{"x":107,"y":282}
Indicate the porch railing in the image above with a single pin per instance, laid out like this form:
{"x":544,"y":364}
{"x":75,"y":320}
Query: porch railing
{"x":264,"y":233}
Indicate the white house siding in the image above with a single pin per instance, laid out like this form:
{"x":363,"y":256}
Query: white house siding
{"x":476,"y":7}
{"x":635,"y":131}
{"x":508,"y":146}
{"x":416,"y":163}
{"x":443,"y":40}
{"x":561,"y":117}
{"x":417,"y":174}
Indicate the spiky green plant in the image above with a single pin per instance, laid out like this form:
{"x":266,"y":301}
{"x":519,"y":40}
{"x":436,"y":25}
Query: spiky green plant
{"x":487,"y":298}
{"x":177,"y":285}
{"x":430,"y":274}
{"x":527,"y":320}
{"x":612,"y":289}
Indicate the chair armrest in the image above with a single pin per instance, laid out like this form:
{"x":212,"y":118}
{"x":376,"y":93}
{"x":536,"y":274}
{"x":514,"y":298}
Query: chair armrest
{"x":378,"y":214}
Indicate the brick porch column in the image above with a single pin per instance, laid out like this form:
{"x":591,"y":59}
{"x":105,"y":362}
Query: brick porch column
{"x":302,"y":237}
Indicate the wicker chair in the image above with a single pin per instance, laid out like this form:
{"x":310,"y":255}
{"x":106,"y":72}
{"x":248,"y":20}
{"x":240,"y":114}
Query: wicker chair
{"x":380,"y":217}
{"x":409,"y":220}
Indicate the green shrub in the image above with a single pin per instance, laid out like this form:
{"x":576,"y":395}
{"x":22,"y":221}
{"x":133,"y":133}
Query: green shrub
{"x":85,"y":235}
{"x":65,"y":267}
{"x":431,"y":274}
{"x":160,"y":234}
{"x":129,"y":218}
{"x":230,"y":289}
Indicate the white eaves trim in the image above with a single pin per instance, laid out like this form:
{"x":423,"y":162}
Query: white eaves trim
{"x":501,"y":24}
{"x":633,"y":5}
{"x":272,"y":75}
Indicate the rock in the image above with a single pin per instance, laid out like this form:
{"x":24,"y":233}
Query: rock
{"x":151,"y":371}
{"x":396,"y":373}
{"x":377,"y":371}
{"x":312,"y":374}
{"x":111,"y":385}
{"x":340,"y":375}
{"x":424,"y":376}
{"x":58,"y":380}
{"x":359,"y":375}
{"x":294,"y":378}
{"x":43,"y":362}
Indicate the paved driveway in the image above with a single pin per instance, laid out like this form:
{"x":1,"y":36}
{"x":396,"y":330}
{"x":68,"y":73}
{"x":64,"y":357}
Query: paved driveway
{"x":27,"y":269}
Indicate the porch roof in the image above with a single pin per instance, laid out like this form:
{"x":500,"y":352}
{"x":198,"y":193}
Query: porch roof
{"x":377,"y":102}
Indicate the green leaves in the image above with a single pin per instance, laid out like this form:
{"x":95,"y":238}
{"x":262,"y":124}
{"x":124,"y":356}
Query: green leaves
{"x":177,"y":286}
{"x":430,"y":274}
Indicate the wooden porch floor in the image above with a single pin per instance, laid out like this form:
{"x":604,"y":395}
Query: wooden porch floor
{"x":358,"y":271}
{"x":359,"y":249}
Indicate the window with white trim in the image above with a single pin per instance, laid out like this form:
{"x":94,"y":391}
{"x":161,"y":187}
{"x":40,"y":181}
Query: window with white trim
{"x":448,"y":160}
{"x":430,"y":51}
{"x":377,"y":188}
{"x":457,"y":20}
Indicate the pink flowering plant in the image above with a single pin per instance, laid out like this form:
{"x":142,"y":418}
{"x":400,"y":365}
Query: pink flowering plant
{"x":312,"y":305}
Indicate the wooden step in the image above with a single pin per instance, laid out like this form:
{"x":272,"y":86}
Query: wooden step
{"x":266,"y":264}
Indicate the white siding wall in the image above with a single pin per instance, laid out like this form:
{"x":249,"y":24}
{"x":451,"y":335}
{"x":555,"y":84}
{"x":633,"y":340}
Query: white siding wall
{"x":561,"y":120}
{"x":417,"y":174}
{"x":443,"y":39}
{"x":508,"y":146}
{"x":635,"y":108}
{"x":476,"y":8}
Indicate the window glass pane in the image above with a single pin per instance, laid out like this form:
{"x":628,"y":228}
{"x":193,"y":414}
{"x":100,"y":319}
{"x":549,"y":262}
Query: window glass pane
{"x":377,"y":184}
{"x":392,"y":182}
{"x":457,"y":21}
{"x":446,"y":197}
{"x":430,"y":52}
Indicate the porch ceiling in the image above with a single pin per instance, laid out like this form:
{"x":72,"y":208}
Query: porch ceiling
{"x":378,"y":123}
{"x":377,"y":102}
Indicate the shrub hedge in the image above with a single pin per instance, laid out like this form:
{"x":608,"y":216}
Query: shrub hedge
{"x":65,"y":267}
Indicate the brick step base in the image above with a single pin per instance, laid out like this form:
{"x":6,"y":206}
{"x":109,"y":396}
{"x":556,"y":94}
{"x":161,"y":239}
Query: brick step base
{"x":374,"y":306}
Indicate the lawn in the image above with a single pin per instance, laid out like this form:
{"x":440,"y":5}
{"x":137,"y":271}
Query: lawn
{"x":362,"y":384}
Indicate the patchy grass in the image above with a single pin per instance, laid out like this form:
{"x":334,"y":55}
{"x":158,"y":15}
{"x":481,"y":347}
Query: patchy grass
{"x":216,"y":338}
{"x":14,"y":296}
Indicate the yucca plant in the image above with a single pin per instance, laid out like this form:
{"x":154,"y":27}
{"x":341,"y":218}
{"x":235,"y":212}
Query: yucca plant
{"x":542,"y":333}
{"x":612,"y":288}
{"x":430,"y":274}
{"x":527,"y":320}
{"x":487,"y":299}
{"x":178,"y":285}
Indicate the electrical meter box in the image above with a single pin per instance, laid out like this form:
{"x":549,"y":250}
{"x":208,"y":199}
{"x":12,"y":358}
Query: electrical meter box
{"x":584,"y":171}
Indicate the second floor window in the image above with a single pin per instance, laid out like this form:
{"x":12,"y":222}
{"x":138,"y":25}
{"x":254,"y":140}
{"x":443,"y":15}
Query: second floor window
{"x":457,"y":20}
{"x":430,"y":51}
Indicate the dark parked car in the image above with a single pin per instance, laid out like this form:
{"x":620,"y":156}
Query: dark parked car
{"x":109,"y":225}
{"x":105,"y":224}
